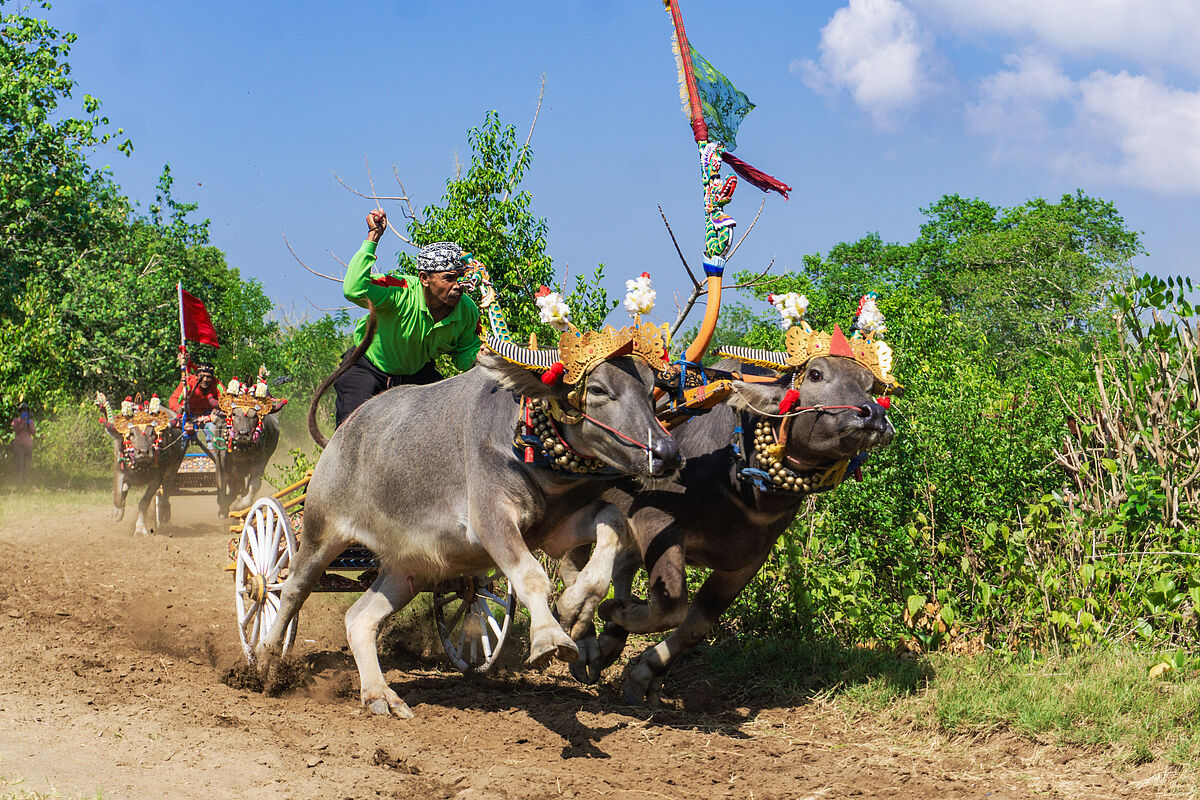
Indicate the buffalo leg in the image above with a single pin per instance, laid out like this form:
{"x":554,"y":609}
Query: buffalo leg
{"x":140,"y":528}
{"x":306,"y":568}
{"x":120,"y":490}
{"x":387,"y":595}
{"x":508,"y":551}
{"x":644,"y":678}
{"x":590,"y":584}
{"x":666,"y":604}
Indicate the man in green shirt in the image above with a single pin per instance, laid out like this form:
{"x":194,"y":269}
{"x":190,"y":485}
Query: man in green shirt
{"x":416,"y":322}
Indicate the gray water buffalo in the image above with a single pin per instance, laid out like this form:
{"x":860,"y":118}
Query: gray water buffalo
{"x":147,"y":450}
{"x":251,"y":436}
{"x":749,"y":471}
{"x":435,"y":481}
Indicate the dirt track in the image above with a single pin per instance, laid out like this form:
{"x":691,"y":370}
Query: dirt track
{"x":113,"y":651}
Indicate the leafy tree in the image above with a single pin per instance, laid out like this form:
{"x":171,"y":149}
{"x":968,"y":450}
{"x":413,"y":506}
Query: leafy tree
{"x":486,"y":212}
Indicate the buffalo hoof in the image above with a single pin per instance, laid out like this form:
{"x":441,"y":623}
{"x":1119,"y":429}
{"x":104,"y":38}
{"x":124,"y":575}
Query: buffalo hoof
{"x":642,"y":686}
{"x":164,"y":512}
{"x":540,"y":656}
{"x":587,"y":668}
{"x":386,"y":703}
{"x":610,"y":645}
{"x":118,"y":513}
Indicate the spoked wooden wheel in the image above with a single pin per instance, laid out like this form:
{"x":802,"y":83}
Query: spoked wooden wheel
{"x":264,"y":554}
{"x":473,"y":616}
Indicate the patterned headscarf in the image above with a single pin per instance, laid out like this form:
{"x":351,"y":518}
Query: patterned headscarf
{"x":440,"y":257}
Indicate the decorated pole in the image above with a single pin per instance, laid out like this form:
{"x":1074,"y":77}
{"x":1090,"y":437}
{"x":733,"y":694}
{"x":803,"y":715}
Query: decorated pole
{"x":715,"y":249}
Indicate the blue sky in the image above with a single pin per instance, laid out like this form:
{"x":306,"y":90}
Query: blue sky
{"x":869,"y":109}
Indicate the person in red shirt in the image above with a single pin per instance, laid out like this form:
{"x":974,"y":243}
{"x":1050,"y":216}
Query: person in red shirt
{"x":201,"y":392}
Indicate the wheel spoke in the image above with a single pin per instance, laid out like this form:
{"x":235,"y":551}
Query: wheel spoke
{"x":284,"y":559}
{"x":484,"y":639}
{"x":256,"y":628}
{"x":501,"y":601}
{"x":251,"y":610}
{"x":494,"y":625}
{"x":454,"y":619}
{"x":254,"y":523}
{"x":245,"y":558}
{"x":276,"y":535}
{"x":264,"y":555}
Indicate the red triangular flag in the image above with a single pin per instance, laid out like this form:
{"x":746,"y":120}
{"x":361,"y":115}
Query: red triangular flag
{"x":838,"y":346}
{"x":197,"y":325}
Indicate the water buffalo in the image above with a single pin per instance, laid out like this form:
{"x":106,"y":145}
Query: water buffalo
{"x":251,"y":436}
{"x":433,"y":480}
{"x":717,"y":516}
{"x":148,"y":449}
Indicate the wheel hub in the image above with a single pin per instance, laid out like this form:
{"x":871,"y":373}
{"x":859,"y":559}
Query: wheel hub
{"x":256,"y":587}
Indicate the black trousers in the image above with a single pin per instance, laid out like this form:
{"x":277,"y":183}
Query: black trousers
{"x":364,"y":380}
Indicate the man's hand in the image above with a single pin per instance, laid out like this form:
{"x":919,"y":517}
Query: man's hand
{"x":376,"y":224}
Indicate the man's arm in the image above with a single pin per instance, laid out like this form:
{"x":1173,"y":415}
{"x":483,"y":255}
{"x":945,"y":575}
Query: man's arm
{"x":173,"y":402}
{"x":357,"y":286}
{"x":466,"y":348}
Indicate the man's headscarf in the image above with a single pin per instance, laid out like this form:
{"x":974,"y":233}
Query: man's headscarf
{"x":204,"y":367}
{"x":439,"y":257}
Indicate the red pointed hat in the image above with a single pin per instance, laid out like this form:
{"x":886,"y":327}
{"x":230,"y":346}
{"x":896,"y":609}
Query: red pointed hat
{"x":838,"y":345}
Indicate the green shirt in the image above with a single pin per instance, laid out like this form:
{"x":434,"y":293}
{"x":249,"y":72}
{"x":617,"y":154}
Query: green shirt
{"x":407,"y":338}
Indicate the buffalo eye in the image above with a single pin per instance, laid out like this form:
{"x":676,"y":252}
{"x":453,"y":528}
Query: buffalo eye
{"x":599,"y":391}
{"x":815,"y":375}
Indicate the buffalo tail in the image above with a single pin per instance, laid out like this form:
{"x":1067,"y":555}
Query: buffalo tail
{"x":351,"y":357}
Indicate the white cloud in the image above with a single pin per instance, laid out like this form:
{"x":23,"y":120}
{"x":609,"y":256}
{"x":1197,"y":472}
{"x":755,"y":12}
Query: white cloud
{"x":1154,"y":32}
{"x":875,"y":49}
{"x":1115,"y":128}
{"x":1148,"y":134}
{"x":1014,"y":104}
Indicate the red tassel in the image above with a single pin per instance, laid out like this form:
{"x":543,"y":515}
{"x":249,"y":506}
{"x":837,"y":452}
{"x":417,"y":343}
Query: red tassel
{"x":790,"y":397}
{"x":551,"y":376}
{"x":886,"y":402}
{"x":756,"y":176}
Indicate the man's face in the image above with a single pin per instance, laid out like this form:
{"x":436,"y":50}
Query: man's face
{"x":442,"y":288}
{"x":205,"y":380}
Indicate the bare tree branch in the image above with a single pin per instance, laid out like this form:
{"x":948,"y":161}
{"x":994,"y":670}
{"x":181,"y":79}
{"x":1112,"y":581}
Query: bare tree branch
{"x":747,"y":233}
{"x":695,"y":283}
{"x":301,"y":263}
{"x":377,"y":198}
{"x":700,"y":290}
{"x":529,"y":138}
{"x":411,"y":213}
{"x":326,"y":310}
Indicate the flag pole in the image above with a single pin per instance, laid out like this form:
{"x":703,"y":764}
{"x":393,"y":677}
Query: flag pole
{"x":183,"y":356}
{"x":699,"y":126}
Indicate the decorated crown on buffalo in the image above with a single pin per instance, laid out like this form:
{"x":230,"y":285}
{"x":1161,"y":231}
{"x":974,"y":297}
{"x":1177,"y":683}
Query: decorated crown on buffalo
{"x":804,"y":344}
{"x":579,"y":352}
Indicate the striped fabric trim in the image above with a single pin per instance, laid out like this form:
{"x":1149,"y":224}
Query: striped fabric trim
{"x":772,"y":359}
{"x":542,"y":358}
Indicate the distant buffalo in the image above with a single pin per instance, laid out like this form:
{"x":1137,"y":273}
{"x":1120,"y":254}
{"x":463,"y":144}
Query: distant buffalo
{"x":251,"y":436}
{"x":148,"y":449}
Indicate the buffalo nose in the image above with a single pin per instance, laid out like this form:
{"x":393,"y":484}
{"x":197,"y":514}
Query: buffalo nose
{"x":872,"y":412}
{"x":666,"y":451}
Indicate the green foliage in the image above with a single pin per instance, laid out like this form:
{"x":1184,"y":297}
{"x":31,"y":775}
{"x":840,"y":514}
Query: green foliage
{"x":486,"y":212}
{"x":982,"y":519}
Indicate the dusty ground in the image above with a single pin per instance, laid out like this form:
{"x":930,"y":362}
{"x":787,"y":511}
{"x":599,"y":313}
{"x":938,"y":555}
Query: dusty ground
{"x":113,"y":651}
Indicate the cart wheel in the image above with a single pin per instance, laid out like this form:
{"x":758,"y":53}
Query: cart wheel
{"x":473,"y":619}
{"x":264,"y":553}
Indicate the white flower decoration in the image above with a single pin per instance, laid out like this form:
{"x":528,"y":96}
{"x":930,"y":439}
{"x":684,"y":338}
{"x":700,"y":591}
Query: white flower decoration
{"x":791,"y":308}
{"x":870,"y":319}
{"x":639,"y":297}
{"x":553,"y":311}
{"x":155,"y":405}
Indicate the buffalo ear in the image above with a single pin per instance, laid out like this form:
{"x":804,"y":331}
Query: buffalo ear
{"x":757,"y":398}
{"x":522,"y":380}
